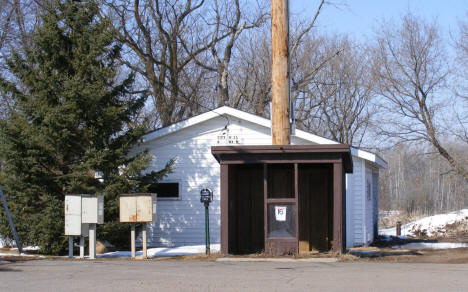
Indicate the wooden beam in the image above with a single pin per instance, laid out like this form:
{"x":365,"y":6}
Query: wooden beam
{"x":338,"y":246}
{"x":265,"y":206}
{"x":224,"y":208}
{"x":279,"y":72}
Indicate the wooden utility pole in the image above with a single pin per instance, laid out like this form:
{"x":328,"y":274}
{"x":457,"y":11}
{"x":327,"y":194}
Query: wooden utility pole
{"x":280,"y":72}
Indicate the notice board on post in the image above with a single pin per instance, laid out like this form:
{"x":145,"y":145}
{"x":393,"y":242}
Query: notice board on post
{"x":140,"y":207}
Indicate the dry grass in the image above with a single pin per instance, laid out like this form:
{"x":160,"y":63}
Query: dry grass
{"x":455,"y":232}
{"x":391,"y":220}
{"x":196,"y":257}
{"x":347,"y":257}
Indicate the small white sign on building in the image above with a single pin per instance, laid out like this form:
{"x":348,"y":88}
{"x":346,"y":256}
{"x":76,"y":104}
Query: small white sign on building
{"x":280,"y":213}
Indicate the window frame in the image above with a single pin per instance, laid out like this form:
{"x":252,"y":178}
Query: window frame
{"x":179,"y":195}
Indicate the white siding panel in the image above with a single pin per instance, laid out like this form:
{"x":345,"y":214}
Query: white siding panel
{"x":371,"y":202}
{"x":349,"y":211}
{"x":358,"y":210}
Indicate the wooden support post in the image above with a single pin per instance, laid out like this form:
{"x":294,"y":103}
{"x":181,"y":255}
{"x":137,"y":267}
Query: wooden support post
{"x":92,"y":241}
{"x":132,"y":240}
{"x":81,"y":247}
{"x":70,"y":246}
{"x":143,"y":235}
{"x":338,"y":208}
{"x":224,"y":208}
{"x":280,"y":72}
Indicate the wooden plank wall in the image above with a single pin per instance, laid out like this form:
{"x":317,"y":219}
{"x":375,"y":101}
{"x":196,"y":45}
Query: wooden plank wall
{"x":246,"y":224}
{"x":315,"y":212}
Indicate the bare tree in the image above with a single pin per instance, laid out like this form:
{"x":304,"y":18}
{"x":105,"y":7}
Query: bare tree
{"x":17,"y":21}
{"x":460,"y":116}
{"x":232,"y":23}
{"x":171,"y":44}
{"x":412,"y":72}
{"x":252,"y":85}
{"x":422,"y":183}
{"x":335,"y":102}
{"x":162,"y":38}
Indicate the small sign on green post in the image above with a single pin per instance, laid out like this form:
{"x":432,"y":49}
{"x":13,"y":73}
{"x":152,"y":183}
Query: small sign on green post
{"x":206,"y":197}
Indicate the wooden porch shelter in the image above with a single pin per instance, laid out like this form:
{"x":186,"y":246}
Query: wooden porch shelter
{"x":283,"y":199}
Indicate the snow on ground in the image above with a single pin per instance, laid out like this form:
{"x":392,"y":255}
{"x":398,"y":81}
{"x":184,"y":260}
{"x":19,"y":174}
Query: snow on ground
{"x":22,"y":255}
{"x":27,"y":248}
{"x":431,"y":245}
{"x":430,"y":226}
{"x":163,"y":251}
{"x":390,"y":238}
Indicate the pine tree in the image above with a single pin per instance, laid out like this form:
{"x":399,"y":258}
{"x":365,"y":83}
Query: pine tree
{"x":73,"y":116}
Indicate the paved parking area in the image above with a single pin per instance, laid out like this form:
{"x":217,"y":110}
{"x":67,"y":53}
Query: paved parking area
{"x":176,"y":275}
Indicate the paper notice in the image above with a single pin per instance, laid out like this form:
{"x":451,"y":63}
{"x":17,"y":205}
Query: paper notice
{"x":280,"y":213}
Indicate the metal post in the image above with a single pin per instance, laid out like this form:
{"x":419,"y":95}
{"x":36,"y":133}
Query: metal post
{"x":143,"y":235}
{"x":132,"y":240}
{"x":92,"y":241}
{"x":398,"y":228}
{"x":12,"y":225}
{"x":207,"y":228}
{"x":81,"y":247}
{"x":70,"y":246}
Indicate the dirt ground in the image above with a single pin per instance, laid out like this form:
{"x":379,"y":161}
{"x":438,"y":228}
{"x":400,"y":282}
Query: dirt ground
{"x":444,"y":256}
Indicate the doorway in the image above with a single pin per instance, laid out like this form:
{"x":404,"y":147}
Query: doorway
{"x":315,"y":207}
{"x":246,"y":220}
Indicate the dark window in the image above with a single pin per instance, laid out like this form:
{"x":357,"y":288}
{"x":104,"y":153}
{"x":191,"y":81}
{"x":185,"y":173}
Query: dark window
{"x":165,"y":190}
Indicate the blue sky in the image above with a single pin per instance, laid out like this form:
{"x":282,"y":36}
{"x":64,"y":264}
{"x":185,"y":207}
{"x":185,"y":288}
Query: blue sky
{"x":358,"y":18}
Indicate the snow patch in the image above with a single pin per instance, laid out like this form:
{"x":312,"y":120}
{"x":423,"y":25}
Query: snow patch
{"x":431,"y":245}
{"x":21,"y":255}
{"x":429,"y":226}
{"x":163,"y":251}
{"x":369,"y":251}
{"x":28,"y":248}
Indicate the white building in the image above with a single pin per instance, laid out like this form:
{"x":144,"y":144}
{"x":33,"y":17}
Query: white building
{"x":180,"y":213}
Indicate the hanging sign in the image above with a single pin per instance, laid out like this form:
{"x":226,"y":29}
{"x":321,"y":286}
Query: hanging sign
{"x":280,"y":213}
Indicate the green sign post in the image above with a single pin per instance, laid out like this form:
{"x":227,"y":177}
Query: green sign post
{"x":206,"y":197}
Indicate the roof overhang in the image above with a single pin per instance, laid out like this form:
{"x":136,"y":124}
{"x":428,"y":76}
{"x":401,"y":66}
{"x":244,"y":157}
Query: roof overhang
{"x":331,"y":153}
{"x":374,"y":159}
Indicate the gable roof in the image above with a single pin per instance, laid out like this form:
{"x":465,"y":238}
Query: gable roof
{"x":225,"y":110}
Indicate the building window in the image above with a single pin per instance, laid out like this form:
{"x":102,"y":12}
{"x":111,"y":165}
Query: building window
{"x":166,"y":190}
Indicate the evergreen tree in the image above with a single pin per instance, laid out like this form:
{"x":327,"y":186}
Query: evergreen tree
{"x":72,"y":117}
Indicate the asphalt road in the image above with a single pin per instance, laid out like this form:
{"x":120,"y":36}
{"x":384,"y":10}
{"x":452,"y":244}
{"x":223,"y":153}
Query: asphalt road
{"x":169,"y":275}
